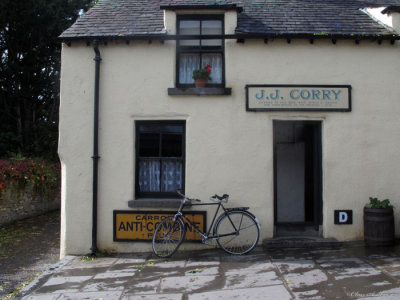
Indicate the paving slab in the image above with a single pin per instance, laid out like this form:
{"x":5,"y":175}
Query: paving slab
{"x":261,"y":293}
{"x":240,"y":280}
{"x":295,"y":273}
{"x":153,"y":297}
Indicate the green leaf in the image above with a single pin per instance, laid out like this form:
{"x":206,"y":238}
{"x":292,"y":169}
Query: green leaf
{"x":376,"y":203}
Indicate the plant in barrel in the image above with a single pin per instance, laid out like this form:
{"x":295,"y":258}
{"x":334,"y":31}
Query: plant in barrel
{"x":378,"y":223}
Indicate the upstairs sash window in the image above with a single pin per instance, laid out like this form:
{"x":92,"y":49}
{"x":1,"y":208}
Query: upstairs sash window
{"x":196,"y":54}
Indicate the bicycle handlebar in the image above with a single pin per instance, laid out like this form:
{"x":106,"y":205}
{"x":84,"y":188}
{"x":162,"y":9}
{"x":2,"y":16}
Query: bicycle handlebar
{"x":223,"y":198}
{"x":186,"y":197}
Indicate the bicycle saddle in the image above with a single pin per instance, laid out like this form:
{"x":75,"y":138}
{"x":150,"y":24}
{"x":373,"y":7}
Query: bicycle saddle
{"x":223,"y":198}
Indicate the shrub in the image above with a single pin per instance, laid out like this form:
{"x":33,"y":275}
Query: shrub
{"x":42,"y":174}
{"x":376,"y":203}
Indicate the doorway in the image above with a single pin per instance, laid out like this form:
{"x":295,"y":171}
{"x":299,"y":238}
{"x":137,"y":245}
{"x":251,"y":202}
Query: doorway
{"x":297,"y":178}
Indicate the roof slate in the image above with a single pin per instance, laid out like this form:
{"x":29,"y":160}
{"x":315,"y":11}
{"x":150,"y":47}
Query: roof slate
{"x":129,"y":18}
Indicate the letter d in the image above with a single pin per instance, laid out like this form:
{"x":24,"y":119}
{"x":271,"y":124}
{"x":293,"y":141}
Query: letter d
{"x":343,"y":217}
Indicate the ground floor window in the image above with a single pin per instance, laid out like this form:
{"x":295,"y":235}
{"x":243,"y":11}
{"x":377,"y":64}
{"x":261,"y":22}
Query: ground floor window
{"x":160,"y":152}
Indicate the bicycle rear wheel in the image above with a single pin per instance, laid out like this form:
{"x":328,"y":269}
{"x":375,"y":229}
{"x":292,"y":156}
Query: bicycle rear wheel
{"x":237,"y":232}
{"x":168,"y":236}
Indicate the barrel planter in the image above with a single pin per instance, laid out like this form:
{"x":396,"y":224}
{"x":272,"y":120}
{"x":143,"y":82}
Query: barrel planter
{"x":378,"y":226}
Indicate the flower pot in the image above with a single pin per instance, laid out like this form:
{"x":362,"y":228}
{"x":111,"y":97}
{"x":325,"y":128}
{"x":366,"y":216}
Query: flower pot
{"x":378,"y":226}
{"x":200,"y":82}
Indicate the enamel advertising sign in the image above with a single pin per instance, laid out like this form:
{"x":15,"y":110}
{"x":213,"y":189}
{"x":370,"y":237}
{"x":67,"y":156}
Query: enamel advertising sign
{"x":140,"y":225}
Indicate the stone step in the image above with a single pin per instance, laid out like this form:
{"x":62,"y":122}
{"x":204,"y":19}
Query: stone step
{"x":301,"y":242}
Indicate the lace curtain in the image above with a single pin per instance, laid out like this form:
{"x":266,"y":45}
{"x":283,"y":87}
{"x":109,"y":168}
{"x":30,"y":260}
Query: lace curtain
{"x":150,"y":179}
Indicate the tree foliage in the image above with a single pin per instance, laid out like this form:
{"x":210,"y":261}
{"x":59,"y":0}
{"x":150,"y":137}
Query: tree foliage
{"x":29,"y":73}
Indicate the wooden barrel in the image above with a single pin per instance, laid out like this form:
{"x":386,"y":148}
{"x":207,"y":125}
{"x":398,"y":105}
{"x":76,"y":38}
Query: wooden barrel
{"x":378,"y":226}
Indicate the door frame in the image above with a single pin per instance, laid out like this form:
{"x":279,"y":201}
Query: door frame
{"x":317,"y":170}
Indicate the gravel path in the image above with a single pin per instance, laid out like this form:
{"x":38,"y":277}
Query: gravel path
{"x":27,"y":248}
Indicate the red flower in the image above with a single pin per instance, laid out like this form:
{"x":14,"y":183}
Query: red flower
{"x":208,"y":67}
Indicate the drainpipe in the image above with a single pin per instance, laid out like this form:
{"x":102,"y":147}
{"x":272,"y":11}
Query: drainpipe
{"x":95,"y":156}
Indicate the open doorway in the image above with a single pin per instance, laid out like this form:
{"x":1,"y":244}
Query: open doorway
{"x":297,"y":178}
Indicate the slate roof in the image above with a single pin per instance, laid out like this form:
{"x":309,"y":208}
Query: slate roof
{"x":135,"y":18}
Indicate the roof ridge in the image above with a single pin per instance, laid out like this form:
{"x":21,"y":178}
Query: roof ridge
{"x":130,"y":18}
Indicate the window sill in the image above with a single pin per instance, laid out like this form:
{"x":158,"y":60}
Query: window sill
{"x":154,"y":203}
{"x":207,"y":91}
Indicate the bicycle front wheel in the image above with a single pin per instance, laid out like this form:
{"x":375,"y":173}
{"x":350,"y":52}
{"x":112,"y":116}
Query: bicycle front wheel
{"x":168,"y":236}
{"x":237,"y":232}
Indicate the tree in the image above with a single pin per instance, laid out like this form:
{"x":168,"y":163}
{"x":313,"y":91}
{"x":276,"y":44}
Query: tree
{"x":29,"y":73}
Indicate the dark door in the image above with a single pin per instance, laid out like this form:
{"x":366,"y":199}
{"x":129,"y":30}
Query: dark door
{"x":297,"y":170}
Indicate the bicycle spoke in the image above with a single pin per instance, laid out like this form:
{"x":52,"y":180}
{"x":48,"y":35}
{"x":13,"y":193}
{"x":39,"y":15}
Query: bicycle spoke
{"x":251,"y":225}
{"x":227,"y":242}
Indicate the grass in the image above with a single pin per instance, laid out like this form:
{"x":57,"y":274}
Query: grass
{"x":94,"y":256}
{"x":21,"y":286}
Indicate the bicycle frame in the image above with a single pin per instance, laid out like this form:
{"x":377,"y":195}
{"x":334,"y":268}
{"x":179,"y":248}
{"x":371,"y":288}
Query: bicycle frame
{"x":205,"y":236}
{"x":230,"y":222}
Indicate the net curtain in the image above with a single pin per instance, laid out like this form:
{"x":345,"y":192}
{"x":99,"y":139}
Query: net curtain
{"x":150,"y":179}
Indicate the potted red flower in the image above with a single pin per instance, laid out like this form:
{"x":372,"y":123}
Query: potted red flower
{"x":202,"y":76}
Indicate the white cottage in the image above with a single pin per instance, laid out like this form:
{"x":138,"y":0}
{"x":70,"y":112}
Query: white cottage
{"x":299,"y":121}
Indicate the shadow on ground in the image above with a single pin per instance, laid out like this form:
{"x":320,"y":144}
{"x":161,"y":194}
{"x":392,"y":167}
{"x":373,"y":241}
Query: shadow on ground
{"x":27,"y":248}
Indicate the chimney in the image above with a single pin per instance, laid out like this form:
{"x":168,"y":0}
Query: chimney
{"x":393,"y":12}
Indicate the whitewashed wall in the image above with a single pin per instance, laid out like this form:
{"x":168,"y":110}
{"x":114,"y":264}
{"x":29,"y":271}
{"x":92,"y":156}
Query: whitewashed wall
{"x":228,"y":150}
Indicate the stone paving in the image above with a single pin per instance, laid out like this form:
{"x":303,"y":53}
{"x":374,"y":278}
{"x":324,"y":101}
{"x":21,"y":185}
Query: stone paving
{"x":329,"y":273}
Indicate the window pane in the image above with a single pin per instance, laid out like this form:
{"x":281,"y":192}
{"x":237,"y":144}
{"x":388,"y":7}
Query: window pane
{"x":149,"y":175}
{"x":188,"y":27}
{"x":149,"y":127}
{"x":171,"y":175}
{"x":215,"y":61}
{"x":211,"y":27}
{"x":172,"y":128}
{"x":149,"y":145}
{"x":171,"y":145}
{"x":160,"y":127}
{"x":187,"y":63}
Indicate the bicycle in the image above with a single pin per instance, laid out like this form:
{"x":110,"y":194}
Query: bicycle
{"x":236,"y":230}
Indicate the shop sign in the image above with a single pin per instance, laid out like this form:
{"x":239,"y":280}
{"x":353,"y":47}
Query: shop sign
{"x":343,"y":217}
{"x":140,"y":225}
{"x":298,"y":97}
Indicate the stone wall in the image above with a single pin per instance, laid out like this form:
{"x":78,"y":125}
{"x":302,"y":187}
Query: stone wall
{"x":22,"y":201}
